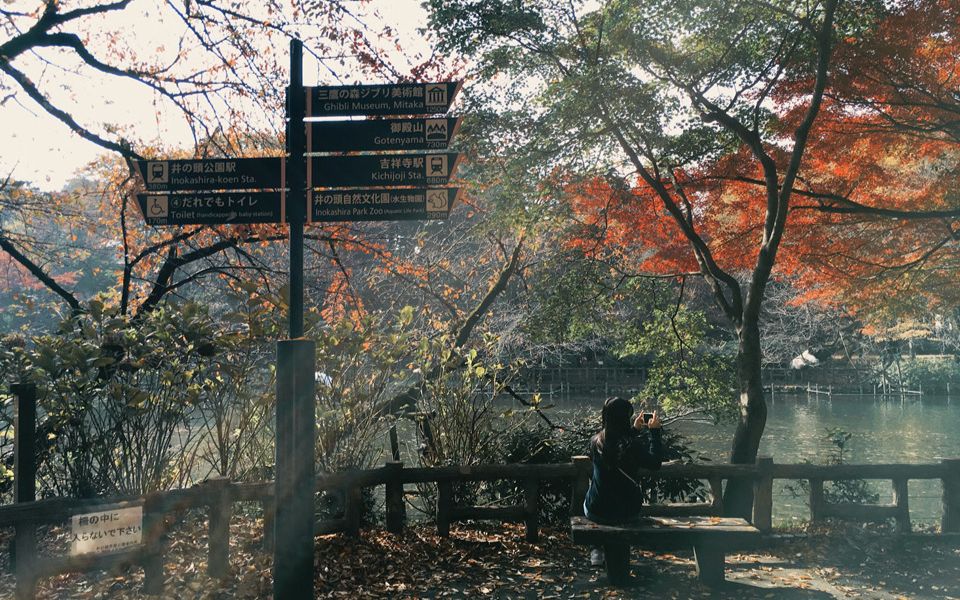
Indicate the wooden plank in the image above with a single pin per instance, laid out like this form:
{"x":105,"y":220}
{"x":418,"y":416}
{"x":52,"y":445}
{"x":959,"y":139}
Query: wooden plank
{"x":54,"y":510}
{"x":395,"y":506}
{"x":859,"y":512}
{"x":816,"y":500}
{"x":218,"y":525}
{"x":950,"y":522}
{"x":677,"y":532}
{"x":582,"y":466}
{"x":328,"y":526}
{"x":56,"y":565}
{"x":677,"y":509}
{"x":708,"y":557}
{"x":24,"y":545}
{"x":902,"y":502}
{"x":531,"y":509}
{"x":874,"y":471}
{"x":444,"y":507}
{"x":763,"y":495}
{"x":510,"y":514}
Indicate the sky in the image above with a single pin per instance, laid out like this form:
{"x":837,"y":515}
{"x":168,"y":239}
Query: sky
{"x":37,"y":148}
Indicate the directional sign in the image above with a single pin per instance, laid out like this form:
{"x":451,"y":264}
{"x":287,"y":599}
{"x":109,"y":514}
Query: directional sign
{"x":211,"y":174}
{"x":393,"y":99}
{"x":383,"y":170}
{"x":381,"y":134}
{"x":211,"y":208}
{"x":383,"y":205}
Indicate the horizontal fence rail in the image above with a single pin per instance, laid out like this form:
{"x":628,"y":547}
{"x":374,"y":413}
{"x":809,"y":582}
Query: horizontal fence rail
{"x":217,"y":496}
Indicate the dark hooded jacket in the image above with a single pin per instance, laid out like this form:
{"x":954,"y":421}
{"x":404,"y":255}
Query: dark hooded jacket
{"x":613,"y":495}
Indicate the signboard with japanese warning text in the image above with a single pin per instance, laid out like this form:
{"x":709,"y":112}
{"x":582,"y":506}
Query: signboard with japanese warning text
{"x":383,"y":204}
{"x":110,"y":529}
{"x":381,"y":100}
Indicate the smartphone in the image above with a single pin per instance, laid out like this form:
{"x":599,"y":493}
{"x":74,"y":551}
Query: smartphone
{"x":646,"y":417}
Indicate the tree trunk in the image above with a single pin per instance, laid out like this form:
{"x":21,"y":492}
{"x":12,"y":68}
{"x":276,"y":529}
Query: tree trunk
{"x":738,"y":498}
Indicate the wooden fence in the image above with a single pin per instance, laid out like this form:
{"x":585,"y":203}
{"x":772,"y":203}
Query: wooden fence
{"x":219,"y":495}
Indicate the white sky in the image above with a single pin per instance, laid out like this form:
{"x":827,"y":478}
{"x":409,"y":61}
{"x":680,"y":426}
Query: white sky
{"x":37,"y":148}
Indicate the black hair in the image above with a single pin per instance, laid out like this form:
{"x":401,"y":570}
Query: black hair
{"x":615,"y":417}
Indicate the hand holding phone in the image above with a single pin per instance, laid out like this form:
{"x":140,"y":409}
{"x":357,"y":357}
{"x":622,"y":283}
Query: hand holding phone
{"x":647,"y":419}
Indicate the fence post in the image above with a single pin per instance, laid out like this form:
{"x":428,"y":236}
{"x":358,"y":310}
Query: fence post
{"x":582,"y":466}
{"x":24,"y":544}
{"x":353,"y":510}
{"x":393,"y":497}
{"x":531,"y":502}
{"x":444,"y":504}
{"x":153,"y":539}
{"x":816,"y":500}
{"x":269,"y":519}
{"x":763,"y":494}
{"x":951,"y":496}
{"x":900,"y":500}
{"x":218,"y":523}
{"x":716,"y":491}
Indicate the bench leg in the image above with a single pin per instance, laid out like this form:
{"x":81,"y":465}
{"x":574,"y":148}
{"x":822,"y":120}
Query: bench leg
{"x":709,"y":559}
{"x":617,"y":557}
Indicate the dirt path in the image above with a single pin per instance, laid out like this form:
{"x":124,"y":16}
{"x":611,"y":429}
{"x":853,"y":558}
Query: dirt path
{"x":492,"y":561}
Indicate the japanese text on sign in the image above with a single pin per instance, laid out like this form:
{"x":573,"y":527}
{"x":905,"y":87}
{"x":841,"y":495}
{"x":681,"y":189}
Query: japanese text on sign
{"x":109,"y":530}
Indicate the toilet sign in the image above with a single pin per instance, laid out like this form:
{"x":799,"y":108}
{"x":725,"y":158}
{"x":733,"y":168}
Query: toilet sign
{"x":212,"y":208}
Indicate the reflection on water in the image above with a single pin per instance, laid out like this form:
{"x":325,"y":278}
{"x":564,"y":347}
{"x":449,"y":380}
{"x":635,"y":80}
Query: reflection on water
{"x":884,"y":431}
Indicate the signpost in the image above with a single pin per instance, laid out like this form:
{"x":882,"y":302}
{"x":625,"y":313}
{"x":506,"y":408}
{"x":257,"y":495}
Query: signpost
{"x":340,"y":188}
{"x":382,"y":100}
{"x":211,"y":174}
{"x":212,"y":208}
{"x":384,"y":169}
{"x":383,"y":204}
{"x":382,"y":134}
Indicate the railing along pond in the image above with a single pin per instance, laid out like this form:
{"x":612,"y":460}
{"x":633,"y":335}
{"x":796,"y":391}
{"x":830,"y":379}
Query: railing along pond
{"x":219,"y":495}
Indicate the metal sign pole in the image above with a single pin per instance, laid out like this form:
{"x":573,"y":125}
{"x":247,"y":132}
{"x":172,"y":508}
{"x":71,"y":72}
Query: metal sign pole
{"x":296,"y":422}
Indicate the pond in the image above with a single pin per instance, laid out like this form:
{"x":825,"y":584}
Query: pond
{"x":883,"y":431}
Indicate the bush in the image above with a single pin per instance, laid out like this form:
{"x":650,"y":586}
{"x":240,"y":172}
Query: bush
{"x":538,"y":443}
{"x":842,"y":490}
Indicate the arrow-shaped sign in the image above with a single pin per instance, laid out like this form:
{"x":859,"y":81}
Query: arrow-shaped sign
{"x":381,"y":134}
{"x":383,"y":204}
{"x":211,"y":174}
{"x":388,"y":99}
{"x":383,"y":170}
{"x":212,"y":208}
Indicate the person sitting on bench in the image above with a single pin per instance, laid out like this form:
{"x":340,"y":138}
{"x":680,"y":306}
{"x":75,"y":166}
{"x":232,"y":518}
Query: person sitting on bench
{"x":618,"y":451}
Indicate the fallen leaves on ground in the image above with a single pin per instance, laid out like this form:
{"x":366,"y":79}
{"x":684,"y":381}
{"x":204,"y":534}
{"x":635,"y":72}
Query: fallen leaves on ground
{"x":487,"y":560}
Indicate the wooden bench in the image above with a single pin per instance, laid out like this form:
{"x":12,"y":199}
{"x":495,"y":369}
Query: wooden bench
{"x":710,"y":538}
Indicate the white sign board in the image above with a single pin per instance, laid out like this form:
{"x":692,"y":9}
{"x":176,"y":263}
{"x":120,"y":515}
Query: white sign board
{"x":108,"y":530}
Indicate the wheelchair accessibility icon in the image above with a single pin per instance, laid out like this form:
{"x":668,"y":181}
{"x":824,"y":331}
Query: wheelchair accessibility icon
{"x":157,"y":207}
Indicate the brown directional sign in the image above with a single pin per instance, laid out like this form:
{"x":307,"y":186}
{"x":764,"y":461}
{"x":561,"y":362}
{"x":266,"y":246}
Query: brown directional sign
{"x":211,"y":174}
{"x":212,"y":208}
{"x":381,"y":134}
{"x":383,"y":170}
{"x":380,"y":100}
{"x":383,"y":204}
